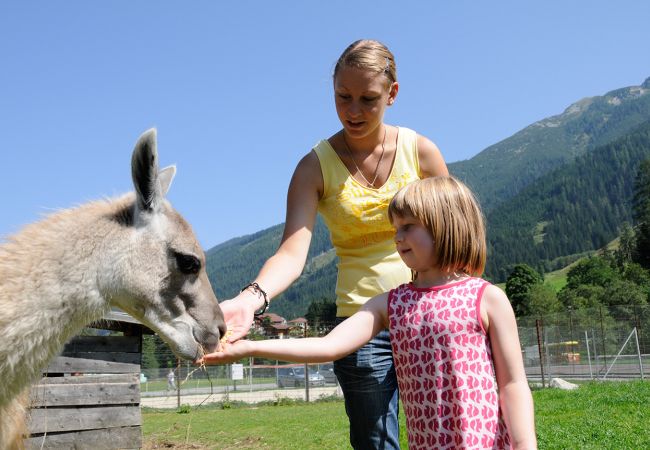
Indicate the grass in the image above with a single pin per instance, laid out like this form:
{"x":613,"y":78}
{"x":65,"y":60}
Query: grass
{"x":289,"y":425}
{"x":557,"y":279}
{"x":611,"y":415}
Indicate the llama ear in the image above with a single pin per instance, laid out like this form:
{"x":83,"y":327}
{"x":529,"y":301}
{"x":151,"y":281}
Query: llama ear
{"x":166,"y":176}
{"x":144,"y":171}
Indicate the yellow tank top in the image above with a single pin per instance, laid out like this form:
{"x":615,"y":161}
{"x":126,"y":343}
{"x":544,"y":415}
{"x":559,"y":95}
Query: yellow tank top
{"x":358,"y":223}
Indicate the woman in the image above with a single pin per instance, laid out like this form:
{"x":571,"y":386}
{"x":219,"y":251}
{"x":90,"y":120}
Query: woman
{"x":350,"y":179}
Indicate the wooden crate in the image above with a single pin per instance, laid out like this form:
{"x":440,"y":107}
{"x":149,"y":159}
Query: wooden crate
{"x":89,"y":396}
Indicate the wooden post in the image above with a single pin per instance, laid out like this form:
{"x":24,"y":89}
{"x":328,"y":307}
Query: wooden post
{"x":538,"y":324}
{"x":306,"y":372}
{"x":178,"y":383}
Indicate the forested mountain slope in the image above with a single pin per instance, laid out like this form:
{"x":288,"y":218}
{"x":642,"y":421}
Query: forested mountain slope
{"x":573,"y":209}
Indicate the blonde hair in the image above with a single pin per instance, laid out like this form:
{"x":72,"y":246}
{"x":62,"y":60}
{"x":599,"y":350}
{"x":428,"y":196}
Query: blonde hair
{"x":453,"y":216}
{"x":368,"y":54}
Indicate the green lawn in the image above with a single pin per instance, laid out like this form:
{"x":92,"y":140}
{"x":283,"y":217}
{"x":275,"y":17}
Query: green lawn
{"x":598,"y":415}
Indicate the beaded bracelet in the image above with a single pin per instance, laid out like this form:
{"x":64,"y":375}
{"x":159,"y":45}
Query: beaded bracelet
{"x":258,"y":290}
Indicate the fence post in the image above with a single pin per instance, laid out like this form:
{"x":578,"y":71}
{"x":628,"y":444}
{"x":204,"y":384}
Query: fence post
{"x":639,"y":328}
{"x":591,"y":373}
{"x":602,"y":334}
{"x":638,"y":350}
{"x":571,"y":347}
{"x":250,"y":373}
{"x":538,"y":325}
{"x":178,"y":383}
{"x":306,"y":372}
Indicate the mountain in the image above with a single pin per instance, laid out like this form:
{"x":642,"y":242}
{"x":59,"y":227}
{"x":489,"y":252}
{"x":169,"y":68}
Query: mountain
{"x":574,"y":209}
{"x":513,"y":180}
{"x":502,"y":170}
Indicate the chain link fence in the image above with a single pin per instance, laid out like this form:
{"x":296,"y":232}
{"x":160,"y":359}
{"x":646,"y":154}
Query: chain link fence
{"x":599,"y":343}
{"x":588,"y":344}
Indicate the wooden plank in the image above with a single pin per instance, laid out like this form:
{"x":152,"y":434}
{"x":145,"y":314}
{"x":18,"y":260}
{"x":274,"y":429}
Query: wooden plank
{"x":92,"y":378}
{"x":129,"y":329}
{"x":66,"y":364}
{"x":118,"y":320}
{"x":129,"y":358}
{"x":122,"y":344}
{"x":106,"y":439}
{"x":55,"y":420}
{"x":78,"y":394}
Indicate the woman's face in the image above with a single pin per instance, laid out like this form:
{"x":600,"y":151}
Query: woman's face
{"x":361,"y":97}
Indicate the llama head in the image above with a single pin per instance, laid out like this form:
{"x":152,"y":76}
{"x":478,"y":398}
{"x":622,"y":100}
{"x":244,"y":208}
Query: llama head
{"x":158,"y":269}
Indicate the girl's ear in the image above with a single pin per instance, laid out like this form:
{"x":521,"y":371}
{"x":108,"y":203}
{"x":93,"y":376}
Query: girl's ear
{"x":392,"y":93}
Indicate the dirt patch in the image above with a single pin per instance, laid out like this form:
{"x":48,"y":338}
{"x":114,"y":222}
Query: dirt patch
{"x":247,"y":443}
{"x":162,"y":445}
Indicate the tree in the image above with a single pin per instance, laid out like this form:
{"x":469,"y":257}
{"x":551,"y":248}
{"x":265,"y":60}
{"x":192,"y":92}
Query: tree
{"x":583,"y":296}
{"x":149,"y":359}
{"x":321,"y":311}
{"x":638,"y":275}
{"x":594,"y":271}
{"x":641,"y":213}
{"x":623,"y":292}
{"x":518,"y":286}
{"x":627,"y":246}
{"x":542,"y":300}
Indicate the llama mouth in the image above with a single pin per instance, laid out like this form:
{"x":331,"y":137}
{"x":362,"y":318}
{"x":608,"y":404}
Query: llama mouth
{"x":205,"y":340}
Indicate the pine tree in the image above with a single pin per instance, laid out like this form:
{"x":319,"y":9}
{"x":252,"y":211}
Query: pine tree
{"x":518,"y":287}
{"x":641,"y":210}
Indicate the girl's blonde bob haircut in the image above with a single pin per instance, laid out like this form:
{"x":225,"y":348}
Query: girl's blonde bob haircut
{"x":453,"y":216}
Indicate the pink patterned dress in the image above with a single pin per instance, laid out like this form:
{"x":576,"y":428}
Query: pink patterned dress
{"x":443,"y":361}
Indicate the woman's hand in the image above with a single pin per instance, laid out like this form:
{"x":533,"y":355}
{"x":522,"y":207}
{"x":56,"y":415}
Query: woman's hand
{"x":238,"y":315}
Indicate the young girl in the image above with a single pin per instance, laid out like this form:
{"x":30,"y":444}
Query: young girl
{"x":452,"y":334}
{"x":350,"y":179}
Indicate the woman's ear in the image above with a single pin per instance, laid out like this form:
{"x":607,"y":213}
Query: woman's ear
{"x":392,"y":93}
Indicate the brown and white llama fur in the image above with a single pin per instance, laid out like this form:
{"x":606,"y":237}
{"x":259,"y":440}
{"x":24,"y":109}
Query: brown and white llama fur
{"x":57,"y":275}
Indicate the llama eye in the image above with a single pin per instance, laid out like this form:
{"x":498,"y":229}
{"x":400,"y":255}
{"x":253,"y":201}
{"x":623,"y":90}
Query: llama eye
{"x":188,"y":264}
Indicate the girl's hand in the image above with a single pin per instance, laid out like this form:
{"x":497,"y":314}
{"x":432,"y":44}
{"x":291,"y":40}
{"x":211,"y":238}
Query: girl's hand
{"x":227,"y":353}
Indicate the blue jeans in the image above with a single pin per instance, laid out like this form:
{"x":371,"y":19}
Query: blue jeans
{"x":369,"y":384}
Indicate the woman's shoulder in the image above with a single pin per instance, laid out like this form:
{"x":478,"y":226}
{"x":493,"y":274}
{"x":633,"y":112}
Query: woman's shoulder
{"x":431,"y":160}
{"x":307,"y":173}
{"x":309,"y":162}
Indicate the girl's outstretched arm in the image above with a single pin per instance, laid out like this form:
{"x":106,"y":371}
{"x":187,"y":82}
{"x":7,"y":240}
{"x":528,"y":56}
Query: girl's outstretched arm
{"x":347,"y":337}
{"x":515,"y":398}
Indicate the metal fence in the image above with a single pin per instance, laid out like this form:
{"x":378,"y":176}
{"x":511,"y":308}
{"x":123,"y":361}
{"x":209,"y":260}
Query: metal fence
{"x":601,"y":343}
{"x":250,"y":382}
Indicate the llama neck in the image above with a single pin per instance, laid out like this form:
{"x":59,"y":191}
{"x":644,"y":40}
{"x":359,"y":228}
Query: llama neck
{"x":49,"y":279}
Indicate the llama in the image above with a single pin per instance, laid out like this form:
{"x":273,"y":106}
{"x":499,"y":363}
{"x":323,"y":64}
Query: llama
{"x":58,"y":275}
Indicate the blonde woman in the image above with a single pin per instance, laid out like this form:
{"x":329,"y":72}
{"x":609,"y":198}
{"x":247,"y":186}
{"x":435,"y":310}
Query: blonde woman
{"x":350,"y":178}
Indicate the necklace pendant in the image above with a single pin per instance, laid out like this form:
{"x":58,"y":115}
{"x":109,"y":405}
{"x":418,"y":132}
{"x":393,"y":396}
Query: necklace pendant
{"x":381,"y":157}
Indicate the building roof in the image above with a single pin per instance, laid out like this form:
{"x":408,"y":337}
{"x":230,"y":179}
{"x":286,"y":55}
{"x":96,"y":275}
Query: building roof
{"x":298,"y":320}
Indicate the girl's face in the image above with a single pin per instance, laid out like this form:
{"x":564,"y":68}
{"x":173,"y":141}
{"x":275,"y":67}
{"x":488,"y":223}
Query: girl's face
{"x":361,"y":97}
{"x":414,"y":243}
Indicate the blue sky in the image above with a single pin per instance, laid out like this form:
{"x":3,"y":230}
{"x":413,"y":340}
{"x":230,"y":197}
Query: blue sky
{"x":239,"y":91}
